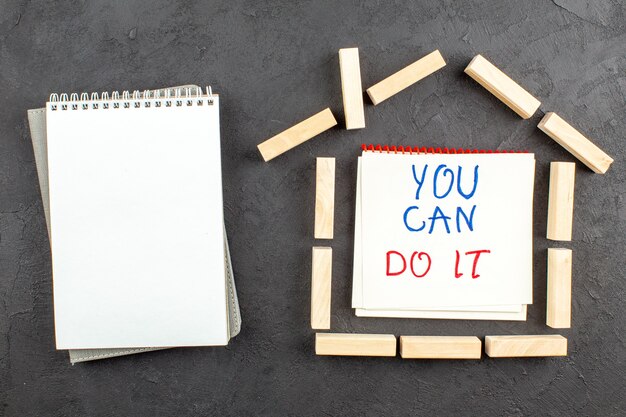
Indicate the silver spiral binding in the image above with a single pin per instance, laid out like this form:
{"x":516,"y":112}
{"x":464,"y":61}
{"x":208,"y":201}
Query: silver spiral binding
{"x":170,"y":97}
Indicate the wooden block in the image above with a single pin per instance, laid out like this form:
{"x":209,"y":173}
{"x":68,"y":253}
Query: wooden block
{"x":525,"y":346}
{"x":406,"y":77}
{"x":351,"y":344}
{"x":559,"y":304}
{"x":351,"y":88}
{"x":324,"y":198}
{"x":500,"y":85}
{"x":321,"y":280}
{"x":561,"y":200}
{"x":574,"y":141}
{"x":440,"y":347}
{"x":297,"y":134}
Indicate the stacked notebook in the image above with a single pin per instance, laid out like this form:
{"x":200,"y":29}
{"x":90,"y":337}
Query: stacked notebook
{"x":131,"y":187}
{"x":443,"y":234}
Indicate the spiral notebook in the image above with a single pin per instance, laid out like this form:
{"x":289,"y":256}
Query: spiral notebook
{"x":136,"y":220}
{"x":443,"y":233}
{"x":37,"y":124}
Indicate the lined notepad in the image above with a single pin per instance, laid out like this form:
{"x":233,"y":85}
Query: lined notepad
{"x":136,"y":221}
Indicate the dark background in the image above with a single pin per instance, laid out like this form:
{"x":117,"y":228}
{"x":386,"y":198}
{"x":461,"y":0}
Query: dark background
{"x":276,"y":63}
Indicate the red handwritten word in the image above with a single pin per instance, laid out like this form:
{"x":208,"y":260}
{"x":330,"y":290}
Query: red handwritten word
{"x":477,"y":253}
{"x":424,"y":258}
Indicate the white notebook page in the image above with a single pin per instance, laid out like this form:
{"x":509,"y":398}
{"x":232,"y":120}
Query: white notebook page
{"x":489,"y":312}
{"x":136,"y":225}
{"x":396,"y":223}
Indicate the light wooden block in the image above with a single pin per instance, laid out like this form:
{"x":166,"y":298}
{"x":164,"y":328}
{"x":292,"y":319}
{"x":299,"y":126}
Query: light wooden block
{"x":406,"y":77}
{"x":351,"y":89}
{"x":324,"y":198}
{"x":297,"y":134}
{"x":574,"y":141}
{"x":440,"y":347}
{"x":559,"y":303}
{"x":561,"y":200}
{"x":500,"y":85}
{"x":321,"y":281}
{"x":350,"y":344}
{"x":525,"y":346}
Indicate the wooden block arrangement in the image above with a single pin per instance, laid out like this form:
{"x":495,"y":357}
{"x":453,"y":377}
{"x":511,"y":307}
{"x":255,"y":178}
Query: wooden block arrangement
{"x":559,"y":225}
{"x":351,"y":89}
{"x":297,"y":134}
{"x":406,"y":77}
{"x":500,"y":85}
{"x":440,"y":347}
{"x":324,"y":198}
{"x":525,"y":346}
{"x":559,"y":298}
{"x":352,"y":344}
{"x":321,"y":280}
{"x":574,"y":141}
{"x":561,"y":201}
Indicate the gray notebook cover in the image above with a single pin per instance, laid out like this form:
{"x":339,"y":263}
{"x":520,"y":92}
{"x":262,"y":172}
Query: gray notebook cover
{"x":37,"y":122}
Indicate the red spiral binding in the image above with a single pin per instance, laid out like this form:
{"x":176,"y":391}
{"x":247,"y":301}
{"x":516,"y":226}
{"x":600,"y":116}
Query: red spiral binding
{"x":424,"y":150}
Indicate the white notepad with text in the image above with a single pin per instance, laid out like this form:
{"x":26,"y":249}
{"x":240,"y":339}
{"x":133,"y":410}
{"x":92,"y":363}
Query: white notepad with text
{"x":406,"y":252}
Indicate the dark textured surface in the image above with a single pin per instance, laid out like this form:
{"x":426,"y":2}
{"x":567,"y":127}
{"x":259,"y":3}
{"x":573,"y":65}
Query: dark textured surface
{"x":275,"y":64}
